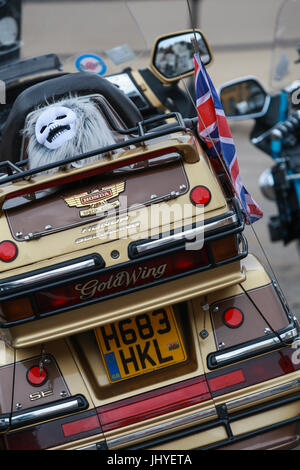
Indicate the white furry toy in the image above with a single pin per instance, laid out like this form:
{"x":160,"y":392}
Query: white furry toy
{"x":65,"y":129}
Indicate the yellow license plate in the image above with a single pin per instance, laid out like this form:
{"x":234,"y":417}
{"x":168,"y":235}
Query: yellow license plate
{"x":140,"y":344}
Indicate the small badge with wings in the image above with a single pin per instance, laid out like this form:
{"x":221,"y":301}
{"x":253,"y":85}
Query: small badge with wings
{"x":97,"y":199}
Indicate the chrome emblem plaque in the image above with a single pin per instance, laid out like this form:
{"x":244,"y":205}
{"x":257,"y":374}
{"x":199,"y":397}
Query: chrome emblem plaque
{"x":97,"y":199}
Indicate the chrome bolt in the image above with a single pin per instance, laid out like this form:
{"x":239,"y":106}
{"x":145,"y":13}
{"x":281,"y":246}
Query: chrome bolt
{"x":182,"y":187}
{"x":63,"y":394}
{"x":48,"y":227}
{"x":153,"y":196}
{"x":267,"y":331}
{"x":221,"y":345}
{"x":46,"y":360}
{"x":216,"y":309}
{"x":18,"y":406}
{"x":19,"y":234}
{"x":115,"y":254}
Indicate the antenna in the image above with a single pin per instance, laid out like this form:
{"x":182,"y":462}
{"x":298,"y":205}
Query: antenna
{"x":137,"y":24}
{"x":194,"y":40}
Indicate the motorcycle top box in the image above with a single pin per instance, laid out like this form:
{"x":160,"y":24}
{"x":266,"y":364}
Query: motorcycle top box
{"x":276,"y":124}
{"x":132,"y":315}
{"x":68,"y":229}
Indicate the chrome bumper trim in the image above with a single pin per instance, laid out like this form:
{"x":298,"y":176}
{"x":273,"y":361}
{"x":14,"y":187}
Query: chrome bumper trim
{"x":187,"y":235}
{"x":254,"y":397}
{"x":243,"y":351}
{"x":88,"y":447}
{"x":99,"y":445}
{"x":169,"y":426}
{"x":44,"y":276}
{"x":53,"y":410}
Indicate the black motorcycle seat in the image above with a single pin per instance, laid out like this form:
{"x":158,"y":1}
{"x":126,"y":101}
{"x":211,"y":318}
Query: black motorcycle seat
{"x":57,"y":88}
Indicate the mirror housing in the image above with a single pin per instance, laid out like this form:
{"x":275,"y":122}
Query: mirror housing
{"x":173,"y":55}
{"x":244,"y":98}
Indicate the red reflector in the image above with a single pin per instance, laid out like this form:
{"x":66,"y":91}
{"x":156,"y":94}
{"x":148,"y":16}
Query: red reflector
{"x":200,"y":195}
{"x":81,"y":425}
{"x":8,"y":251}
{"x":156,"y":403}
{"x":233,"y":317}
{"x":226,"y":380}
{"x":36,"y":376}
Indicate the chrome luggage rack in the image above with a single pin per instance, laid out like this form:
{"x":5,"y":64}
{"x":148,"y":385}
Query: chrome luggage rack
{"x":13,"y":172}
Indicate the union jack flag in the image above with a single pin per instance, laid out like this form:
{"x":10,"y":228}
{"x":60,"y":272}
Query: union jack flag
{"x":214,"y":131}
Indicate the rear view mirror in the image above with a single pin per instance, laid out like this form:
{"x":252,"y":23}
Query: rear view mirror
{"x":173,"y":55}
{"x":244,"y":98}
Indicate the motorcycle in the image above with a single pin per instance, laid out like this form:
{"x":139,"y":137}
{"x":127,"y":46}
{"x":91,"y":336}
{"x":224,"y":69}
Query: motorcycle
{"x":276,"y":123}
{"x":132,"y":315}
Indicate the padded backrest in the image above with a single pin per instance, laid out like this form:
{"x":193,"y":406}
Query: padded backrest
{"x":57,"y":88}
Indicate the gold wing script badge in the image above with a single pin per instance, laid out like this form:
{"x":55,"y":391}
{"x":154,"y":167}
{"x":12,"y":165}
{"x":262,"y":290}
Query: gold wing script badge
{"x":97,"y":199}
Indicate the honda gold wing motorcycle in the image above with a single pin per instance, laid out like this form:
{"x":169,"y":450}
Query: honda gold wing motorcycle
{"x":276,"y":123}
{"x":132,"y":315}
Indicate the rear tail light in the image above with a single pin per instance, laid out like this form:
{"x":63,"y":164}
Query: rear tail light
{"x":8,"y":251}
{"x":121,"y":279}
{"x":121,"y":413}
{"x":80,"y":425}
{"x":61,"y":298}
{"x":107,"y":283}
{"x":18,"y":309}
{"x":224,"y":248}
{"x":155,"y":403}
{"x":117,"y":280}
{"x":54,"y":433}
{"x":226,"y":380}
{"x":253,"y":371}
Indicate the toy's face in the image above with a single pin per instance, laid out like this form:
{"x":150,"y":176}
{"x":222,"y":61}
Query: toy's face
{"x":55,"y":126}
{"x":66,"y":128}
